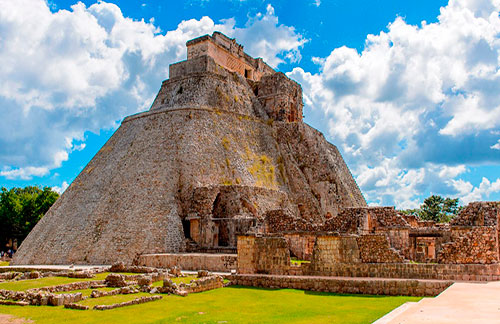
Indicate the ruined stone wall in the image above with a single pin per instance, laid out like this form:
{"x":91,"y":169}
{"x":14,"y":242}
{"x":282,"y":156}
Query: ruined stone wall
{"x":348,"y":220}
{"x":387,"y":217}
{"x":465,"y":272}
{"x":478,"y":214}
{"x":399,"y":239}
{"x":281,"y":97}
{"x":301,"y":245}
{"x":330,"y":250}
{"x":190,"y":261}
{"x":477,"y":244}
{"x":375,"y":248}
{"x":208,"y":90}
{"x":266,"y":255}
{"x":278,"y":221}
{"x":229,"y":54}
{"x":318,"y":178}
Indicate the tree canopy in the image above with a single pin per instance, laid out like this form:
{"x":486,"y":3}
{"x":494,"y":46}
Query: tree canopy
{"x":436,"y":208}
{"x":21,"y":209}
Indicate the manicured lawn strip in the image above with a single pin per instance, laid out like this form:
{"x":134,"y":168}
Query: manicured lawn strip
{"x":233,"y":304}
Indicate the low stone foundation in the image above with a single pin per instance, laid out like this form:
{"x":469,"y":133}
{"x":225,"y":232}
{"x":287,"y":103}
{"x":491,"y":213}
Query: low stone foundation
{"x":136,"y":301}
{"x":190,"y":261}
{"x":456,"y":272}
{"x":368,"y":286}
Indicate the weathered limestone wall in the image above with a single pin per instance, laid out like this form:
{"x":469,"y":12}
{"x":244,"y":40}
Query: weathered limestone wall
{"x":203,"y":284}
{"x":190,"y":261}
{"x":476,"y":244}
{"x":375,"y":248}
{"x":229,"y":54}
{"x":281,"y":97}
{"x":390,"y":287}
{"x":399,"y":239}
{"x":331,"y":250}
{"x":301,"y":245}
{"x":478,"y":214}
{"x":315,"y":173}
{"x":267,"y":255}
{"x":456,"y":272}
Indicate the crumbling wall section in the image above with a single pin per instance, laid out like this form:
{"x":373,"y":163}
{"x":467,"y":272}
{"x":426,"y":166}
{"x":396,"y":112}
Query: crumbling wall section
{"x":301,"y":245}
{"x":375,"y":248}
{"x":281,"y":97}
{"x":278,"y":221}
{"x":330,"y":250}
{"x":469,"y":245}
{"x":264,"y":255}
{"x":482,"y":213}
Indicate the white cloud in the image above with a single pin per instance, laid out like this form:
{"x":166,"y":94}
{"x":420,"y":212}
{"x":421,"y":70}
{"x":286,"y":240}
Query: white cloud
{"x":496,"y":146}
{"x":26,"y":173}
{"x":67,"y":72}
{"x":62,"y":188}
{"x":469,"y":193}
{"x":417,"y":105}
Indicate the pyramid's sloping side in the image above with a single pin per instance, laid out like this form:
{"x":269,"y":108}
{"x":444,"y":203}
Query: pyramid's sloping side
{"x":128,"y":200}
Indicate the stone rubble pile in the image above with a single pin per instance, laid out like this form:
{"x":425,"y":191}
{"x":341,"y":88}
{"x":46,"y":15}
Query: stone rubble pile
{"x":39,"y":298}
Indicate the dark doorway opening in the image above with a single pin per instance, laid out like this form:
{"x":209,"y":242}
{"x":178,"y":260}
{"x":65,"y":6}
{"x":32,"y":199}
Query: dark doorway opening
{"x":186,"y":226}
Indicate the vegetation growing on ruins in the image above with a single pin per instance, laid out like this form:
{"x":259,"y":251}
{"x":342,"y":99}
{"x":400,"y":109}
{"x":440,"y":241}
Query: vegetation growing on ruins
{"x":263,"y":170}
{"x":21,"y":209}
{"x":225,"y":143}
{"x":436,"y":208}
{"x":233,"y":304}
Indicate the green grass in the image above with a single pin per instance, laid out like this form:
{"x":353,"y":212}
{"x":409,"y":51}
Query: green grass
{"x":226,"y":305}
{"x":108,"y":300}
{"x":298,"y":262}
{"x":4,"y":263}
{"x":44,"y":282}
{"x":176,"y":280}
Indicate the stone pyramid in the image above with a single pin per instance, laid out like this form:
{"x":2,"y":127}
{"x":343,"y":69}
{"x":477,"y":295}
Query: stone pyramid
{"x":222,"y":146}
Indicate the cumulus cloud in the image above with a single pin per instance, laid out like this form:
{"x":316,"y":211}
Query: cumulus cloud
{"x":417,"y":105}
{"x":470,"y":193}
{"x":62,"y":188}
{"x":84,"y":69}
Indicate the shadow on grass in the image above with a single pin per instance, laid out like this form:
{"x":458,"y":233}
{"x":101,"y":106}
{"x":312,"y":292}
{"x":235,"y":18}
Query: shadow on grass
{"x":321,"y":293}
{"x":309,"y":292}
{"x":253,"y":288}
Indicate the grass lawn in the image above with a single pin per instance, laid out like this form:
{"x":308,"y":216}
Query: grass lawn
{"x":44,"y":282}
{"x":226,"y":305}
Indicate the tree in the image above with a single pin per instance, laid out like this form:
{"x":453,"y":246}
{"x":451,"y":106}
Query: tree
{"x":21,"y":209}
{"x":436,"y":208}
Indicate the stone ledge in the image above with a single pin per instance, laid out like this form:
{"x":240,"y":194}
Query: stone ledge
{"x":343,"y":285}
{"x":190,"y":261}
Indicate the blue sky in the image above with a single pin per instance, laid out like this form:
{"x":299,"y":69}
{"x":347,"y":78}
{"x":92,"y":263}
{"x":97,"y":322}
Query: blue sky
{"x":407,"y":90}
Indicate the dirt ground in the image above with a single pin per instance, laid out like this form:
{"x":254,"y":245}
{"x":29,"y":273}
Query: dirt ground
{"x":9,"y":319}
